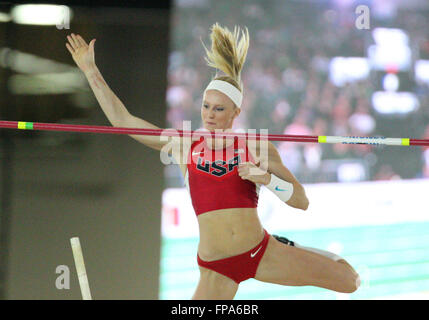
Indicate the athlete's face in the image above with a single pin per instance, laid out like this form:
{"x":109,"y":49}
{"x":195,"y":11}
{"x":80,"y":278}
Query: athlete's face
{"x":218,"y":111}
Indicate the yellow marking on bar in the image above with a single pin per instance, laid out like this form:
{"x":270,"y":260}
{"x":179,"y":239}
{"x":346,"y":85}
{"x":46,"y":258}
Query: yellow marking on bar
{"x":322,"y":139}
{"x":406,"y":142}
{"x":22,"y":125}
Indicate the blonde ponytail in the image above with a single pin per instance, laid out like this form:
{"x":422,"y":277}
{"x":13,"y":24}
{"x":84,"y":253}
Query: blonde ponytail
{"x":228,"y":53}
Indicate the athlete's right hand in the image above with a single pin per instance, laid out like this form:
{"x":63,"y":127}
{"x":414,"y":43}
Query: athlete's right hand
{"x":82,"y":53}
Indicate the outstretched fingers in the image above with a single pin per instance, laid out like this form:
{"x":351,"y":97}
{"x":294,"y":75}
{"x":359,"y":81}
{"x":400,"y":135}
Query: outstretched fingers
{"x":81,"y":41}
{"x":69,"y":48}
{"x":75,"y":42}
{"x":72,"y":43}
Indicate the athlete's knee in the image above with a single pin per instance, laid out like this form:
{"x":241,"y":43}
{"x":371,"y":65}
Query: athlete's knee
{"x":357,"y":282}
{"x":351,"y":282}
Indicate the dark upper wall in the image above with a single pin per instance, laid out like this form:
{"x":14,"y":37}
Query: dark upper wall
{"x":105,"y":189}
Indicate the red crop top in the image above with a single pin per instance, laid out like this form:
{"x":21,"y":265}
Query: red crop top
{"x":212,"y":177}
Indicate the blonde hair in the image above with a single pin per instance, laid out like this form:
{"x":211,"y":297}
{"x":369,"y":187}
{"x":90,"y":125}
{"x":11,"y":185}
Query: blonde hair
{"x":227,"y":53}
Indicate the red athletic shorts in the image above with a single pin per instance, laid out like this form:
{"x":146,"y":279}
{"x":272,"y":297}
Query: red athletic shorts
{"x":240,"y":267}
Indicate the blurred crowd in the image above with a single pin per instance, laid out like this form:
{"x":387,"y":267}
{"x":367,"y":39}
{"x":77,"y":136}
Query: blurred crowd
{"x":287,"y":88}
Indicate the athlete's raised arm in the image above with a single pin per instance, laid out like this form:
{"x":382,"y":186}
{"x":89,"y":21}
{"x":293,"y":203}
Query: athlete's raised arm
{"x":116,"y":112}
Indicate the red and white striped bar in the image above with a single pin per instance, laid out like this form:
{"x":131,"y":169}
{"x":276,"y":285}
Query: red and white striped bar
{"x":21,"y":125}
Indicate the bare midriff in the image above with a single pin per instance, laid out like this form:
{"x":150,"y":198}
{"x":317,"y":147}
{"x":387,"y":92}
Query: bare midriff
{"x":228,"y":232}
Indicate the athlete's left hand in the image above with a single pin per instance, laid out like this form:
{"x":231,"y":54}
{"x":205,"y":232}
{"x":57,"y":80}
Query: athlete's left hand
{"x":250,"y":171}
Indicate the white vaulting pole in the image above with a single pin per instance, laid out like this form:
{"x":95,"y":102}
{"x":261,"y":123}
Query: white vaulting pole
{"x":80,"y":268}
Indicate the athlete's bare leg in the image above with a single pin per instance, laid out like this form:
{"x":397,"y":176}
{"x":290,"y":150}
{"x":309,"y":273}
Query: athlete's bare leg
{"x":293,"y":266}
{"x":214,"y":286}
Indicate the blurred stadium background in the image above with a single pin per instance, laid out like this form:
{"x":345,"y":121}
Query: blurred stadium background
{"x":311,"y":70}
